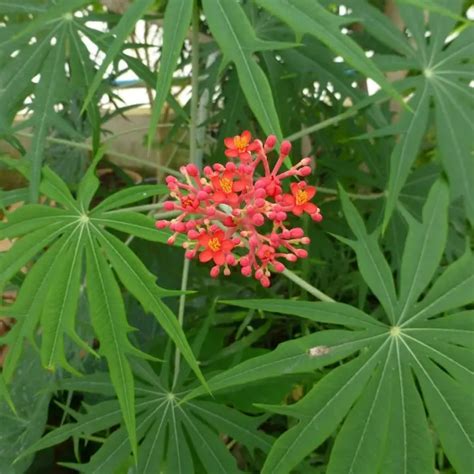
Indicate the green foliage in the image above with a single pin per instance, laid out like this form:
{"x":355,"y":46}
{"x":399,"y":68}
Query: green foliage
{"x":379,"y":381}
{"x":50,"y":292}
{"x":407,"y":344}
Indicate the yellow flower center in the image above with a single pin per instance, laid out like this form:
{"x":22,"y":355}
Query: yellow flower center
{"x":214,"y":244}
{"x":241,"y":143}
{"x":226,"y":185}
{"x":301,"y":197}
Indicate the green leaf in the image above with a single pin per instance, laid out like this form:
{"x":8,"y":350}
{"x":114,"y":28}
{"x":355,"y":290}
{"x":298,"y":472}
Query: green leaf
{"x":354,"y":449}
{"x":451,"y":290}
{"x":128,"y":196}
{"x":58,"y":317}
{"x":309,"y":17}
{"x":134,"y":224}
{"x":26,"y":248}
{"x":454,"y":129}
{"x":237,"y":40}
{"x":424,"y":247}
{"x":320,"y":412}
{"x":452,"y":416}
{"x":110,"y":324}
{"x":301,"y":355}
{"x":406,"y":149}
{"x":142,"y":284}
{"x":121,"y":32}
{"x":32,"y":217}
{"x":52,"y":73}
{"x":175,"y":26}
{"x":371,"y":261}
{"x":331,"y":313}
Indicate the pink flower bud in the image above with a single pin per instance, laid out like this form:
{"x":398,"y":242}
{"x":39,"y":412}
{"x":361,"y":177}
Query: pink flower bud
{"x":171,"y":240}
{"x":286,"y":234}
{"x":296,"y":233}
{"x":305,"y":161}
{"x":202,"y":195}
{"x":161,"y":224}
{"x":279,"y":267}
{"x":305,"y":171}
{"x":245,"y":261}
{"x":270,"y":142}
{"x":189,"y":254}
{"x":285,"y":148}
{"x":259,"y":274}
{"x":226,"y":271}
{"x":230,"y":259}
{"x":180,"y":227}
{"x":259,"y":202}
{"x":192,"y":169}
{"x":246,"y":271}
{"x":168,"y":205}
{"x":260,"y":193}
{"x":301,"y":253}
{"x":193,"y":234}
{"x":317,"y":217}
{"x":214,"y":271}
{"x":290,"y":257}
{"x":230,"y":166}
{"x":265,"y":282}
{"x":258,"y":219}
{"x":207,"y":170}
{"x":170,"y":180}
{"x":281,"y":216}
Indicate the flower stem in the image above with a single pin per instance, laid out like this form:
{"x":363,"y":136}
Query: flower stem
{"x":193,"y":148}
{"x":306,"y":286}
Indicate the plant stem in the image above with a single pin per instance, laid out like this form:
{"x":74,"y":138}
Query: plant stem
{"x":193,"y":145}
{"x":306,"y":286}
{"x":325,"y":123}
{"x":86,"y":146}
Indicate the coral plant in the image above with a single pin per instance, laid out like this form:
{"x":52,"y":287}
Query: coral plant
{"x":232,"y":215}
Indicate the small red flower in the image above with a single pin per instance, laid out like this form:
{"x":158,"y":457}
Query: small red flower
{"x":226,"y":187}
{"x":240,"y":146}
{"x":216,"y":247}
{"x":299,"y":199}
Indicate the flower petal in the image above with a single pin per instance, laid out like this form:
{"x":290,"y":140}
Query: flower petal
{"x":205,"y":256}
{"x":219,"y":258}
{"x":229,"y":143}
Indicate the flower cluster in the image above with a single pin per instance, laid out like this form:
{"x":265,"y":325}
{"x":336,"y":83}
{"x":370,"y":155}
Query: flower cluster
{"x":234,"y":217}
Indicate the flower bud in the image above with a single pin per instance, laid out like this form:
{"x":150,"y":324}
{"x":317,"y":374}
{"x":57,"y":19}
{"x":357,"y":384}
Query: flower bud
{"x":202,"y":195}
{"x":245,"y":261}
{"x":281,"y":216}
{"x":301,"y":253}
{"x":168,"y":205}
{"x":304,"y":171}
{"x":270,"y":142}
{"x":317,"y":217}
{"x":246,"y":271}
{"x":296,"y":233}
{"x":285,"y":148}
{"x":193,"y":234}
{"x":258,"y":219}
{"x":192,"y":169}
{"x":190,"y":254}
{"x":279,"y":267}
{"x":265,"y":281}
{"x":214,"y":271}
{"x":161,"y":224}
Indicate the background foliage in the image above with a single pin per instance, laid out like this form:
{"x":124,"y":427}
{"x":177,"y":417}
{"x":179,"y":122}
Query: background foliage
{"x":108,"y":360}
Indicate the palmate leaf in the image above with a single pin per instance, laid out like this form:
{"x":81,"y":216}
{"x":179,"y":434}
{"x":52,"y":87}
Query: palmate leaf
{"x":441,"y":74}
{"x":309,"y":17}
{"x":175,"y":25}
{"x":237,"y":39}
{"x":51,"y":289}
{"x":415,"y":358}
{"x":174,"y":436}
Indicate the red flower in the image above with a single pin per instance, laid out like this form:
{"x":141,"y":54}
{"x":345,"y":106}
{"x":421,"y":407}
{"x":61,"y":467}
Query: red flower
{"x":240,"y":146}
{"x":299,"y":199}
{"x":225,"y":188}
{"x":216,"y":247}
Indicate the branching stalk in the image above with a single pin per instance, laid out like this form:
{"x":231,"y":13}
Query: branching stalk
{"x":306,"y":286}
